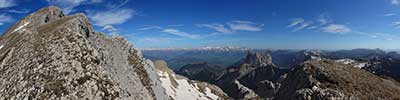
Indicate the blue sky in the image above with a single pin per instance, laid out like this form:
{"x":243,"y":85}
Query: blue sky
{"x":278,"y":24}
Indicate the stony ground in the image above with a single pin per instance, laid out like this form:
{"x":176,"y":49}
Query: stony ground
{"x":48,"y":55}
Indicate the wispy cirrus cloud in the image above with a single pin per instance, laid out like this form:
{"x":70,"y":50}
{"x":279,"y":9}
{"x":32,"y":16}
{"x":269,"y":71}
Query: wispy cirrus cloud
{"x":5,"y":18}
{"x":245,"y":26}
{"x":378,"y":35}
{"x":299,"y":24}
{"x":69,"y":6}
{"x":66,"y":5}
{"x":324,"y":19}
{"x":18,"y":11}
{"x":119,"y":4}
{"x":396,"y":24}
{"x":327,"y":25}
{"x":7,"y":3}
{"x":336,"y":28}
{"x":180,"y":33}
{"x":390,"y":14}
{"x":233,"y":27}
{"x":395,"y":2}
{"x":149,"y":27}
{"x":111,"y":17}
{"x":295,"y":21}
{"x":107,"y":19}
{"x":217,"y":27}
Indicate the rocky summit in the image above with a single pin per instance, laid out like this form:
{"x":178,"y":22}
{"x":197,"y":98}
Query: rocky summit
{"x":329,"y":80}
{"x":49,"y":55}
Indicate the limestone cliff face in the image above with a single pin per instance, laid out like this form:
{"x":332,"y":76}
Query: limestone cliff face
{"x":48,"y":55}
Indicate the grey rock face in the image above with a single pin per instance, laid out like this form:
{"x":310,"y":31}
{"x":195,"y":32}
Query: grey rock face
{"x":258,"y":59}
{"x":256,"y":72}
{"x":48,"y":55}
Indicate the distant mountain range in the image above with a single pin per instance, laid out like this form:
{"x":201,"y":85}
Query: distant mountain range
{"x":177,"y":58}
{"x":228,"y":56}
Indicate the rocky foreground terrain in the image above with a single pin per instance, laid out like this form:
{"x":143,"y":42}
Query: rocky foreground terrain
{"x":49,"y":55}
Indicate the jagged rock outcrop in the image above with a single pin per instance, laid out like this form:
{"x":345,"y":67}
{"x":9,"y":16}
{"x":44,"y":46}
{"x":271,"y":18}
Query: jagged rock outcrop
{"x":329,"y":80}
{"x":254,"y":58}
{"x":181,"y":88}
{"x":48,"y":55}
{"x":256,"y":72}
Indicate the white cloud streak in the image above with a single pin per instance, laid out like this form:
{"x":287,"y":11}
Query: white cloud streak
{"x":217,"y":27}
{"x":396,"y":24}
{"x":295,"y":21}
{"x":66,"y":5}
{"x":395,"y":2}
{"x":233,"y":27}
{"x":69,"y":6}
{"x":180,"y":33}
{"x":149,"y":28}
{"x":390,"y":14}
{"x":118,"y":5}
{"x":245,"y":26}
{"x":336,"y":28}
{"x":4,"y":18}
{"x":323,"y":19}
{"x":7,"y":3}
{"x":20,"y":11}
{"x":111,"y":17}
{"x":300,"y":24}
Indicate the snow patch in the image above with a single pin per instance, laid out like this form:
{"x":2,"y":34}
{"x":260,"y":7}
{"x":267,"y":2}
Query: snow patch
{"x":360,"y":65}
{"x":351,"y":62}
{"x":20,"y":27}
{"x":1,"y":46}
{"x":184,"y":90}
{"x":345,"y":61}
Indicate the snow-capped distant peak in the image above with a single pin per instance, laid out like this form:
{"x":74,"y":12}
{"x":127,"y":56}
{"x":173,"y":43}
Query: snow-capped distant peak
{"x":228,"y":48}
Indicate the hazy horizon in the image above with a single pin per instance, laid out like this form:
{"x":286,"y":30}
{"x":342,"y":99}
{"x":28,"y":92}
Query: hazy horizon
{"x":387,"y":50}
{"x":279,"y":24}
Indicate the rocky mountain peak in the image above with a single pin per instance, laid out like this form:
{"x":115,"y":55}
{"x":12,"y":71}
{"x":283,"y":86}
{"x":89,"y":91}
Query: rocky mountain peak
{"x":256,"y":58}
{"x":37,"y":19}
{"x":48,"y":55}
